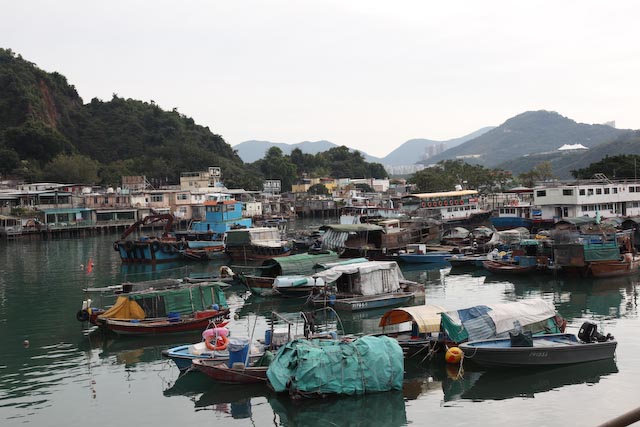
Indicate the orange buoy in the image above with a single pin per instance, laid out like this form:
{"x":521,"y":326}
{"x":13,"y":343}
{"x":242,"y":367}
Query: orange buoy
{"x":453,"y":355}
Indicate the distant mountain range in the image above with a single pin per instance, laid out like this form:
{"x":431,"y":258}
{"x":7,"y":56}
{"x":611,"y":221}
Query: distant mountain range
{"x":518,"y":145}
{"x":530,"y":133}
{"x":563,"y":162}
{"x":406,"y":154}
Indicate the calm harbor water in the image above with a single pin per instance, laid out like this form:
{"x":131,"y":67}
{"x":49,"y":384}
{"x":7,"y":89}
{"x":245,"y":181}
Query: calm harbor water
{"x":69,"y":375}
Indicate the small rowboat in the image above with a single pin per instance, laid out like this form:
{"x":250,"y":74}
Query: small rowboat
{"x":237,"y":374}
{"x":507,"y":267}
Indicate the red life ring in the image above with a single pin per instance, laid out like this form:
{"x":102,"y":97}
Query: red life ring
{"x":445,"y":203}
{"x":451,"y":202}
{"x":429,"y":204}
{"x":440,"y":203}
{"x":221,"y":343}
{"x":424,"y":204}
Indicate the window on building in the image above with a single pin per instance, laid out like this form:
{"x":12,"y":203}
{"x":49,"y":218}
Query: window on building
{"x":541,"y":193}
{"x":567,"y":192}
{"x":157,"y":198}
{"x":615,"y":191}
{"x":582,"y":192}
{"x":598,"y":190}
{"x":606,"y":191}
{"x":590,"y":192}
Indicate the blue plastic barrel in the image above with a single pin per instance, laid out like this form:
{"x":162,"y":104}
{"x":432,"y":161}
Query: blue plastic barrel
{"x":267,"y":337}
{"x":238,"y":350}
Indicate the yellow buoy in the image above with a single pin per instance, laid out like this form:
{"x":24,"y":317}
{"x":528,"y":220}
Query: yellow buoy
{"x":453,"y":355}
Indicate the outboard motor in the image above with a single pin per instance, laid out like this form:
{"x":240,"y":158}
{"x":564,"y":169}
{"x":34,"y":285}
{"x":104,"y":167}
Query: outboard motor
{"x":589,"y":333}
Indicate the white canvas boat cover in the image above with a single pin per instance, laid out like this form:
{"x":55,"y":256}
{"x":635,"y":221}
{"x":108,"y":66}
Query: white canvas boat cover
{"x":374,"y":277}
{"x":526,"y":312}
{"x":488,"y":321}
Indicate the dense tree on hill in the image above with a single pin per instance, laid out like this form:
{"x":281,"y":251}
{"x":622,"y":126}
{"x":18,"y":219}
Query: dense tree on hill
{"x":42,"y":117}
{"x":615,"y":167}
{"x":318,"y":189}
{"x":541,"y":172}
{"x":365,"y":188}
{"x":445,"y":175}
{"x":74,"y":168}
{"x":275,"y":165}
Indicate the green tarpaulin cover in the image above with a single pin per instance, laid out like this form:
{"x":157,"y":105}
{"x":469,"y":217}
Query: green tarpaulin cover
{"x":364,"y":365}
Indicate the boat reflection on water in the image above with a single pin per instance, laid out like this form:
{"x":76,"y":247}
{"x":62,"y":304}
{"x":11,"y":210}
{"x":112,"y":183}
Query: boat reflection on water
{"x":380,"y":409}
{"x":508,"y":383}
{"x":206,"y":395}
{"x":386,"y":408}
{"x":130,"y":351}
{"x":234,"y":400}
{"x":425,"y":273}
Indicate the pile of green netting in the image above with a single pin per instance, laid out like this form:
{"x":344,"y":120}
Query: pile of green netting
{"x":320,"y":367}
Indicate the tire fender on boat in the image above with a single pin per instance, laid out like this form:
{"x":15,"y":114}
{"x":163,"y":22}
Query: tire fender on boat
{"x":82,"y":315}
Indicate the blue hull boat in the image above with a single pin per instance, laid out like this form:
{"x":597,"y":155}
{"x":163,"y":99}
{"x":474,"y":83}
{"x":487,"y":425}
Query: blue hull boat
{"x":429,"y":257}
{"x":183,"y":355}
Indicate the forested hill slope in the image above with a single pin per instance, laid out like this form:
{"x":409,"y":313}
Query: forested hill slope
{"x":45,"y":124}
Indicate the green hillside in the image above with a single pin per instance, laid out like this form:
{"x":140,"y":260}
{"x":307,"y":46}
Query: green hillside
{"x":46,"y":127}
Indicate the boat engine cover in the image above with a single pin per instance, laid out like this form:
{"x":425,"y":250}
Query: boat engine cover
{"x":589,"y":333}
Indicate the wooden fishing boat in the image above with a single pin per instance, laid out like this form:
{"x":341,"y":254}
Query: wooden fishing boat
{"x":150,"y":249}
{"x":150,"y":311}
{"x":256,"y":243}
{"x":163,"y":325}
{"x":508,"y":267}
{"x":365,"y":285}
{"x":630,"y":264}
{"x":546,"y":350}
{"x":293,"y":267}
{"x":237,"y":374}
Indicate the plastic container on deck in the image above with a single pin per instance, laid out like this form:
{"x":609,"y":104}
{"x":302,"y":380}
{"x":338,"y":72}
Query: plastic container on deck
{"x":238,"y":350}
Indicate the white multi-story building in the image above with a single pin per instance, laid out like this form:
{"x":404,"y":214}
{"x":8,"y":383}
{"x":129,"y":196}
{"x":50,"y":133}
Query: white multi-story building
{"x":588,"y":198}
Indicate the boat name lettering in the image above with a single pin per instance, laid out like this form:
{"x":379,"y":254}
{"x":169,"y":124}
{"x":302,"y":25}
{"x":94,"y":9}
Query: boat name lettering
{"x":539,"y":354}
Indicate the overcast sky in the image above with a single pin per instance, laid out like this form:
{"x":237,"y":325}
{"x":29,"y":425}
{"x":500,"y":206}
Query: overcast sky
{"x":367,"y":74}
